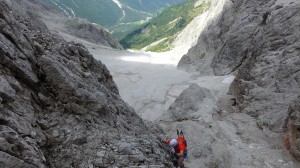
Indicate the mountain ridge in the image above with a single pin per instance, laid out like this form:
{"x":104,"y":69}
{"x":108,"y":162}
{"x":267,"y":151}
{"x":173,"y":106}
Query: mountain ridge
{"x":57,"y":23}
{"x":159,"y":33}
{"x":112,"y":14}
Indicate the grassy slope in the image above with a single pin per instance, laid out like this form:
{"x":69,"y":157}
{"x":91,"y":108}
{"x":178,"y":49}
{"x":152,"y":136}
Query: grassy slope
{"x":166,"y":25}
{"x":109,"y":15}
{"x":126,"y":25}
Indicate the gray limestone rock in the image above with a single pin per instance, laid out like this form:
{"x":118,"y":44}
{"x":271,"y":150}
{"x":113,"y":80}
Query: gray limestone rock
{"x":59,"y":107}
{"x":259,"y":42}
{"x":6,"y":91}
{"x":292,"y":138}
{"x":268,"y":79}
{"x":91,"y":32}
{"x":193,"y":103}
{"x":226,"y":139}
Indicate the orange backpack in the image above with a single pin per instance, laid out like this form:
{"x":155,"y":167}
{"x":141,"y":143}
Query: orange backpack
{"x":181,"y":139}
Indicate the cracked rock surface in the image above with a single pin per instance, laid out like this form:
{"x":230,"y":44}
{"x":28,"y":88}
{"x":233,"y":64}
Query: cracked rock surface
{"x":59,"y":107}
{"x":259,"y":42}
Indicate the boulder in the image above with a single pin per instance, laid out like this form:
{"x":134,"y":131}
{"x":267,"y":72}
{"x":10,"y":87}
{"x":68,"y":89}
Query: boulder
{"x":91,"y":32}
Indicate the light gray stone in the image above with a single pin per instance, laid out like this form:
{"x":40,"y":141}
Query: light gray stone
{"x":91,"y":32}
{"x":66,"y":107}
{"x":193,"y":103}
{"x":6,"y":91}
{"x":258,"y":42}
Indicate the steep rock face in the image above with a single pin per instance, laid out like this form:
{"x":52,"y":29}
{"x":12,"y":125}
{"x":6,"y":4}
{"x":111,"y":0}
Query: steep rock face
{"x":269,"y":77}
{"x":91,"y":32}
{"x":293,"y":125}
{"x":60,"y":107}
{"x":259,"y":41}
{"x":70,"y":28}
{"x":188,"y":37}
{"x":200,"y":56}
{"x":218,"y":136}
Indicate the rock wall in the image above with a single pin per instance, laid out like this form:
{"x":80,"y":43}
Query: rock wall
{"x":219,"y":136}
{"x":69,"y":28}
{"x":199,"y":57}
{"x":189,"y":36}
{"x":259,"y":42}
{"x":293,"y":125}
{"x":59,"y":107}
{"x":91,"y":32}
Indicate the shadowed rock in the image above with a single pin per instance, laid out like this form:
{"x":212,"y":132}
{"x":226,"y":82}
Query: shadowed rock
{"x":59,"y":107}
{"x":91,"y":32}
{"x":293,"y":128}
{"x":258,"y":41}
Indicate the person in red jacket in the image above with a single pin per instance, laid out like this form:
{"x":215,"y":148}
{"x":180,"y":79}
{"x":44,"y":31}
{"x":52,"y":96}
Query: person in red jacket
{"x":179,"y":146}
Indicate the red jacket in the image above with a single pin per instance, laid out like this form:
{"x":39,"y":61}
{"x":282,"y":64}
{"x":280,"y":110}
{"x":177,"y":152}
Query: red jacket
{"x":181,"y":145}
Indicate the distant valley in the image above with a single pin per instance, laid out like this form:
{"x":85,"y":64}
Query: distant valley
{"x":119,"y":17}
{"x":158,"y":34}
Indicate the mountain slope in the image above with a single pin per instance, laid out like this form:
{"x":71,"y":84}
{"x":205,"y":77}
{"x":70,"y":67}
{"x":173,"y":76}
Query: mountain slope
{"x":91,"y":32}
{"x":164,"y":28}
{"x":112,"y":13}
{"x":259,"y":42}
{"x":59,"y":107}
{"x":57,"y":23}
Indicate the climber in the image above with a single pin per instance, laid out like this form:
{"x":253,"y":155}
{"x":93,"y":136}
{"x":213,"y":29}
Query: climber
{"x":179,"y":145}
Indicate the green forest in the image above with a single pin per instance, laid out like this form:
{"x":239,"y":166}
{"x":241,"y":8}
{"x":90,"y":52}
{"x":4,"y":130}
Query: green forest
{"x":164,"y":27}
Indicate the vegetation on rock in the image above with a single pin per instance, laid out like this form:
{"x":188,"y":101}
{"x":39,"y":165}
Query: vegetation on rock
{"x":117,"y":16}
{"x":164,"y":27}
